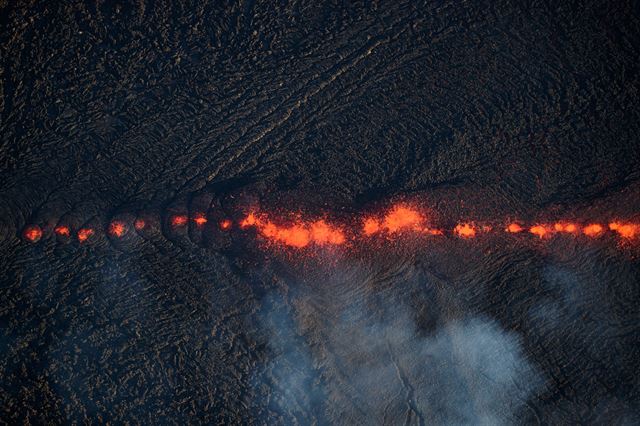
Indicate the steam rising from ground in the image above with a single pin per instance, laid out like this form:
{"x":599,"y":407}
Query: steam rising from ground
{"x":365,"y":361}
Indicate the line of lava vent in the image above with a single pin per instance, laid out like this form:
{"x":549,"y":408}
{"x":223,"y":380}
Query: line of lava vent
{"x":203,"y":219}
{"x":222,"y":222}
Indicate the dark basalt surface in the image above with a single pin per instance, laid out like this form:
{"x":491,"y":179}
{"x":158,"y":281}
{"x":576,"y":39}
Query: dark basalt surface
{"x":481,"y":109}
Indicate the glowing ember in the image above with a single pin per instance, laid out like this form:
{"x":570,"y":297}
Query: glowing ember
{"x":200,"y":219}
{"x":117,"y":229}
{"x":593,"y":230}
{"x":626,"y":230}
{"x":225,"y":224}
{"x":63,"y":231}
{"x":539,"y":230}
{"x":84,"y":234}
{"x":32,"y":233}
{"x":465,"y":230}
{"x":178,"y":221}
{"x":139,"y":224}
{"x":402,"y":218}
{"x":371,"y":226}
{"x":514,"y":228}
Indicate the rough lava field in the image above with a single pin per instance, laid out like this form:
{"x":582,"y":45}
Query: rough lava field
{"x":299,"y":212}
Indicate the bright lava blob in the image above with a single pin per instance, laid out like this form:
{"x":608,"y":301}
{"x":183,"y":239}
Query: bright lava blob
{"x":84,"y":234}
{"x":178,"y":221}
{"x":32,"y":233}
{"x":117,"y":229}
{"x":593,"y":230}
{"x":63,"y":231}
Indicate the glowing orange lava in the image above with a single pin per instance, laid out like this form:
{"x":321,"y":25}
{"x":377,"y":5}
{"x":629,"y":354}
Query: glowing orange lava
{"x":626,"y":230}
{"x":371,"y":226}
{"x":431,"y":231}
{"x":225,"y":224}
{"x":322,"y":233}
{"x":139,"y":224}
{"x":178,"y":221}
{"x":539,"y":230}
{"x":565,"y":227}
{"x":514,"y":228}
{"x":84,"y":234}
{"x":117,"y":229}
{"x":299,"y":234}
{"x":250,"y":220}
{"x":402,"y":218}
{"x":32,"y":233}
{"x":593,"y":230}
{"x":200,"y":219}
{"x":465,"y":230}
{"x":63,"y":231}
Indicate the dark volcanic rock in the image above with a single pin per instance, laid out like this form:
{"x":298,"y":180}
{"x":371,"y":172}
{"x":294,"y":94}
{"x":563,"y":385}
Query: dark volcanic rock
{"x":143,"y":110}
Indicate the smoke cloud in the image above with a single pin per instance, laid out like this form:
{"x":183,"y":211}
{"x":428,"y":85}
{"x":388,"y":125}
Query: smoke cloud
{"x":341,"y":358}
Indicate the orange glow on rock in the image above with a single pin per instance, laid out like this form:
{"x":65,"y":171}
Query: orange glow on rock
{"x":178,"y":221}
{"x":401,"y":218}
{"x":593,"y":230}
{"x":626,"y":230}
{"x":139,"y":224}
{"x":514,"y":228}
{"x":539,"y":230}
{"x":371,"y":226}
{"x":62,"y":230}
{"x":32,"y":233}
{"x":84,"y":234}
{"x":465,"y":230}
{"x":225,"y":224}
{"x":117,"y":229}
{"x":200,"y":219}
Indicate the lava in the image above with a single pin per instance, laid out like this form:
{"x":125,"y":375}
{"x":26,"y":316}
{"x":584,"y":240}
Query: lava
{"x":514,"y":228}
{"x":84,"y":234}
{"x":178,"y":221}
{"x":465,"y":230}
{"x":399,"y":218}
{"x":200,"y":219}
{"x":62,"y":230}
{"x":539,"y":230}
{"x":250,"y":220}
{"x":593,"y":230}
{"x":371,"y":226}
{"x":32,"y":233}
{"x":402,"y":218}
{"x":299,"y":234}
{"x":322,"y":233}
{"x":565,"y":227}
{"x":117,"y":229}
{"x":295,"y":231}
{"x":626,"y":230}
